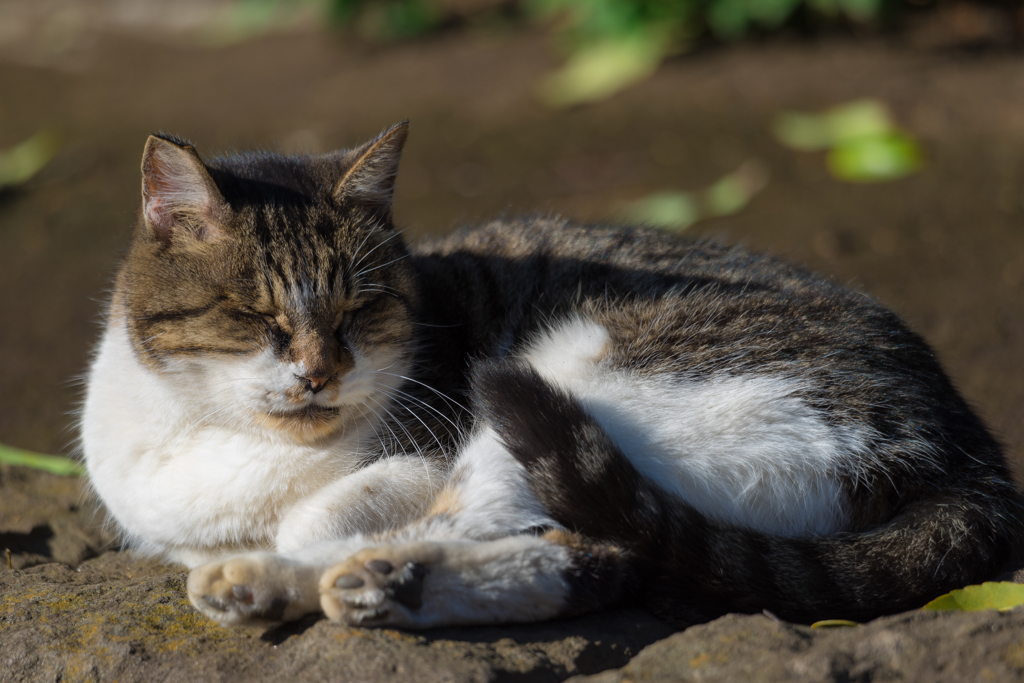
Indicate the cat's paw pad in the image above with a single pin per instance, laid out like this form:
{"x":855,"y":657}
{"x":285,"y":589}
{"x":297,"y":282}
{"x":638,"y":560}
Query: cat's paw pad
{"x":377,"y":586}
{"x":250,"y":590}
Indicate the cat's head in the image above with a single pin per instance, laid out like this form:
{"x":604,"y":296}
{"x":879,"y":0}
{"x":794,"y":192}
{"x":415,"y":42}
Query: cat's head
{"x":271,"y":292}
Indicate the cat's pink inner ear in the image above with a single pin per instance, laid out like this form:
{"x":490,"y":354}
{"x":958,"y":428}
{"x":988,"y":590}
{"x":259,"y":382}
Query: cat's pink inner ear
{"x":178,"y":194}
{"x":370,"y":179}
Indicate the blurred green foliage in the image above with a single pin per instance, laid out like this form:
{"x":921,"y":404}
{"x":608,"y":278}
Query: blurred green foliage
{"x":608,"y":44}
{"x":389,"y":19}
{"x":581,"y":22}
{"x":862,"y":140}
{"x":677,"y":210}
{"x":24,"y":160}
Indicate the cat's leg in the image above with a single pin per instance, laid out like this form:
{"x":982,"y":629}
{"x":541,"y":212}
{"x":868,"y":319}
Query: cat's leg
{"x":384,"y":495}
{"x":262,"y":588}
{"x":474,"y":558}
{"x":514,"y":579}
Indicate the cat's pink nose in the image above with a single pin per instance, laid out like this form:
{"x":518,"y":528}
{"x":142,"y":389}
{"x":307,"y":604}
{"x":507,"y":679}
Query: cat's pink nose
{"x":315,"y":383}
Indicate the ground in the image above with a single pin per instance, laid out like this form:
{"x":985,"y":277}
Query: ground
{"x":944,"y":248}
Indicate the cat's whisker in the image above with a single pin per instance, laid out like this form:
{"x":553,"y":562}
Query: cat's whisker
{"x":367,"y":254}
{"x":447,"y":398}
{"x":441,"y":449}
{"x":369,"y":233}
{"x":370,"y":270}
{"x":396,"y":442}
{"x":380,"y":439}
{"x":458,"y":430}
{"x":379,"y":291}
{"x":418,"y":451}
{"x":440,"y":446}
{"x":401,"y":425}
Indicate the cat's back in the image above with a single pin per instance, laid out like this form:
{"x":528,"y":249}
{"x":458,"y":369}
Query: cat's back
{"x":680,"y":307}
{"x":553,"y":254}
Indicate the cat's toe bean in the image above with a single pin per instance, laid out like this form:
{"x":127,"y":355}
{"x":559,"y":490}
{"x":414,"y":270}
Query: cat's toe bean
{"x":243,"y":593}
{"x":379,"y":566}
{"x":377,"y":586}
{"x":255,"y":589}
{"x":348,"y":581}
{"x":215,"y":603}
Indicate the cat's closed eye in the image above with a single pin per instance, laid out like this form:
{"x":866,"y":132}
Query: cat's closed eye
{"x":268,"y":319}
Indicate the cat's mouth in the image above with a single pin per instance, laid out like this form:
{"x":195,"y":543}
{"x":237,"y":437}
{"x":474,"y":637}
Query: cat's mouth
{"x":308,"y":413}
{"x":307,"y":424}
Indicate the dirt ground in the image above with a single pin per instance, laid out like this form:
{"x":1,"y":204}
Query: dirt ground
{"x":944,"y":248}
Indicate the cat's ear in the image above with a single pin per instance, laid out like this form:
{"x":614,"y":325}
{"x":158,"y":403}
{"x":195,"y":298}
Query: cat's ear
{"x":370,"y":177}
{"x":178,"y":195}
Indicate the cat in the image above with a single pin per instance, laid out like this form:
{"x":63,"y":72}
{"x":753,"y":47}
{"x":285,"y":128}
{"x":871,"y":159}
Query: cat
{"x":526,"y":420}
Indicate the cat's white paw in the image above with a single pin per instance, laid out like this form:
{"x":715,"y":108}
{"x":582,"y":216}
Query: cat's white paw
{"x":379,"y":586}
{"x":256,"y":589}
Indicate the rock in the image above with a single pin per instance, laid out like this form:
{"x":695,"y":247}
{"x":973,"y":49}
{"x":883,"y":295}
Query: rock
{"x":127,"y":619}
{"x":119,"y":617}
{"x":915,"y":646}
{"x":44,"y":517}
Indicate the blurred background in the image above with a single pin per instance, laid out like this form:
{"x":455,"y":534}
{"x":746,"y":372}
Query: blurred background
{"x":878,"y":141}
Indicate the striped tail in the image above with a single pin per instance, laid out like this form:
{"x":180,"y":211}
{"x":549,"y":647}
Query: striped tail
{"x":687,"y":567}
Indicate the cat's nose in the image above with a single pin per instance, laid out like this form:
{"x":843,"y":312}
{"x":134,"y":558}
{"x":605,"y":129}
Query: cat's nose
{"x":314,"y":382}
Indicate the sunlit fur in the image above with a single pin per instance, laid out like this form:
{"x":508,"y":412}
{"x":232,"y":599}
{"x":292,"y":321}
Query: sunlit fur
{"x":524,"y":420}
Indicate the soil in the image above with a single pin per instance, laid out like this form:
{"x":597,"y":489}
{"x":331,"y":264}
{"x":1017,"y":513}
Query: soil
{"x":944,"y":248}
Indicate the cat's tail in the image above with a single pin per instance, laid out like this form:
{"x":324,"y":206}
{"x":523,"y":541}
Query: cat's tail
{"x":687,"y":567}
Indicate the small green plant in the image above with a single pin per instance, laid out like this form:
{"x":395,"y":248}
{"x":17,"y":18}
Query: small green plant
{"x":862,"y":141}
{"x":53,"y":464}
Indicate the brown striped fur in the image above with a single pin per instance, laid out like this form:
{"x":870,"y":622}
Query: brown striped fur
{"x":297,"y":256}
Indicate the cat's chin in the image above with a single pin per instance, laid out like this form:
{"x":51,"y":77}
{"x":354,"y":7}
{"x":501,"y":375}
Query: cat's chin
{"x":312,"y":423}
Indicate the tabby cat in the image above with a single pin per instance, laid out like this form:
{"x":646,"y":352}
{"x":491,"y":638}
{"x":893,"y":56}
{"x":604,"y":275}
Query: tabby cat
{"x":526,"y":420}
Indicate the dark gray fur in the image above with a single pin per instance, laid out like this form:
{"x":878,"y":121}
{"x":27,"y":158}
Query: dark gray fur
{"x":934,"y":508}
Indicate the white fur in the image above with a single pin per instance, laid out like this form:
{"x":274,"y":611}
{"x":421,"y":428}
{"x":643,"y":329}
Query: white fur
{"x":516,"y":578}
{"x":187,"y":472}
{"x":744,"y":449}
{"x":494,"y":494}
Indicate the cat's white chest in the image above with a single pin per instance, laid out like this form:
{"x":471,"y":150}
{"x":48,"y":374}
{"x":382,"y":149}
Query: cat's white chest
{"x":176,"y":483}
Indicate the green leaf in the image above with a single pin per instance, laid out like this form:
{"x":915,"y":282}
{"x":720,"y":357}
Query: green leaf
{"x":597,"y":71}
{"x":834,"y":623}
{"x":54,"y":464}
{"x":673,"y":210}
{"x":875,"y":158}
{"x":734,"y":191}
{"x":803,"y":132}
{"x":24,"y":160}
{"x":1000,"y":595}
{"x":678,"y":210}
{"x":857,"y":119}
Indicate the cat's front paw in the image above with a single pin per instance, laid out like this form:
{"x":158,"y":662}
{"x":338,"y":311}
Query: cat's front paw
{"x":379,"y":586}
{"x":257,"y":589}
